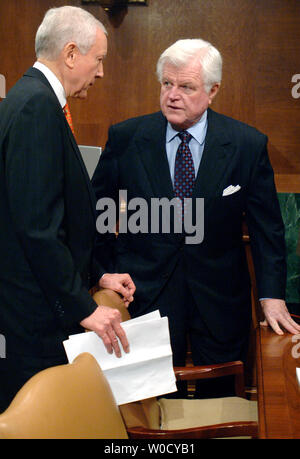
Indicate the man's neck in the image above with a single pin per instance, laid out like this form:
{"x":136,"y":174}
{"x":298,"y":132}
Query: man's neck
{"x":55,"y":68}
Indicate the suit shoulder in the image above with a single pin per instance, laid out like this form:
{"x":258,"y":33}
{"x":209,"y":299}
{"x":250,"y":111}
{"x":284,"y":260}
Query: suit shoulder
{"x":237,"y":128}
{"x":131,"y":125}
{"x":29,"y":93}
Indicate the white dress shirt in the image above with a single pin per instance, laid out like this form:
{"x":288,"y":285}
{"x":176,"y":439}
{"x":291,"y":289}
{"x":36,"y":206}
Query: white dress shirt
{"x":54,"y":82}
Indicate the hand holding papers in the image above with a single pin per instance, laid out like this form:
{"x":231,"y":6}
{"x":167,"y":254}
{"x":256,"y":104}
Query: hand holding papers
{"x":106,"y":323}
{"x":147,"y":370}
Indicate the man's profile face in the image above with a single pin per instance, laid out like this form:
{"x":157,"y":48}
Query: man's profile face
{"x":88,"y":67}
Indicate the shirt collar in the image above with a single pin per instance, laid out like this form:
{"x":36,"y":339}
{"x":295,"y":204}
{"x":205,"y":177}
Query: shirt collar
{"x":198,"y":130}
{"x":54,"y":82}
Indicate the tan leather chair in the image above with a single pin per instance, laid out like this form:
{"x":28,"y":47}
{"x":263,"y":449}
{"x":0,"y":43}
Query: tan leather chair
{"x":65,"y":402}
{"x":189,"y":418}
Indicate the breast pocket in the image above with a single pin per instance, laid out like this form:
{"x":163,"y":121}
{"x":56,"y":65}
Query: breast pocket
{"x":223,"y":216}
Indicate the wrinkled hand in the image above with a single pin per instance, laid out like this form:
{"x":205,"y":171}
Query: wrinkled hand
{"x":276,"y":315}
{"x":121,"y":283}
{"x":105,"y":322}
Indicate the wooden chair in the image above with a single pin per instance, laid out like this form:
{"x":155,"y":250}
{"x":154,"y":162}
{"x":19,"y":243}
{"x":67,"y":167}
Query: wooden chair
{"x":189,"y":418}
{"x":64,"y":402}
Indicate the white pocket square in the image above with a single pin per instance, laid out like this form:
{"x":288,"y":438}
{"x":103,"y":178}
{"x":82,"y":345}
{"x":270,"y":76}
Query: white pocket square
{"x":231,"y":189}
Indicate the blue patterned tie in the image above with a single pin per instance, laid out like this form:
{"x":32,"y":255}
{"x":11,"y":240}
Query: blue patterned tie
{"x":184,"y":175}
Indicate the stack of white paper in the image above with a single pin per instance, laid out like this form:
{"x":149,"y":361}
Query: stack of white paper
{"x":146,"y":371}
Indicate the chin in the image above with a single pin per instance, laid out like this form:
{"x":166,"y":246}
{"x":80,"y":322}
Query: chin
{"x":175,"y":120}
{"x":177,"y":124}
{"x":81,"y":94}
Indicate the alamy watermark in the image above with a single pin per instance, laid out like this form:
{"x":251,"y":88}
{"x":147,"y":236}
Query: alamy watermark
{"x":296,"y":348}
{"x":2,"y":86}
{"x":296,"y":88}
{"x":2,"y":347}
{"x":159,"y":211}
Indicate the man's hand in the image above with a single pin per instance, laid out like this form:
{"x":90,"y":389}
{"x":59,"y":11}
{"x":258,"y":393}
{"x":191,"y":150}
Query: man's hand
{"x":276,"y":315}
{"x":105,"y":322}
{"x":121,"y":283}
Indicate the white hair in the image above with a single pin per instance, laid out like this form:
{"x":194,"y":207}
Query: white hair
{"x":63,"y":25}
{"x":183,"y":51}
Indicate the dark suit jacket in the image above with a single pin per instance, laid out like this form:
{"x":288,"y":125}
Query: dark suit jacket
{"x":235,"y":154}
{"x":47,"y":214}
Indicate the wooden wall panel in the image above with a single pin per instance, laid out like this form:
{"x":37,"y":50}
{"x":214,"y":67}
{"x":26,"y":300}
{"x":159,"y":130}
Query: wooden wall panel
{"x":259,"y":41}
{"x":278,"y":59}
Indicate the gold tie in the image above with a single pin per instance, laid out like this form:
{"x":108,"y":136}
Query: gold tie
{"x":68,"y":116}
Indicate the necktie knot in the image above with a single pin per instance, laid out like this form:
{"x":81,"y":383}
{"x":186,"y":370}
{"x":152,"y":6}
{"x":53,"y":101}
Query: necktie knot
{"x":185,"y":136}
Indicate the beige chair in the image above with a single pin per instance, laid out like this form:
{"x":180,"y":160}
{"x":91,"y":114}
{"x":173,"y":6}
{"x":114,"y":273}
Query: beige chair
{"x":64,"y":402}
{"x":189,"y":418}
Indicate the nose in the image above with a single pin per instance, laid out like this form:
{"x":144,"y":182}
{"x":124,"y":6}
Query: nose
{"x":100,"y":71}
{"x":173,"y":93}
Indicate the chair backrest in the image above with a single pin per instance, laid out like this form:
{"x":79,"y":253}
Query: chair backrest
{"x":66,"y":401}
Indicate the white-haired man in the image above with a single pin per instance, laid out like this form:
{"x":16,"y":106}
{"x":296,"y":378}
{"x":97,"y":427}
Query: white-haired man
{"x":47,"y":207}
{"x":188,"y":151}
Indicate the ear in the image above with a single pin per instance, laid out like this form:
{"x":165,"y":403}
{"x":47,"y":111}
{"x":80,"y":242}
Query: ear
{"x":213,"y":91}
{"x":70,"y":53}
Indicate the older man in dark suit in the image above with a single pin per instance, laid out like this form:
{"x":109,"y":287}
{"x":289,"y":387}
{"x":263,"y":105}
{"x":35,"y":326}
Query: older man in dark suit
{"x":47,"y":207}
{"x":188,"y":152}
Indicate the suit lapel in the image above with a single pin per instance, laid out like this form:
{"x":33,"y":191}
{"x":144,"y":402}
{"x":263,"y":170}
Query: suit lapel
{"x":151,"y":144}
{"x":217,"y":155}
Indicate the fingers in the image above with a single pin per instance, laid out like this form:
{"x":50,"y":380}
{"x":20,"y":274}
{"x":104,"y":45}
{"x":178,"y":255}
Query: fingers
{"x":105,"y":322}
{"x":111,"y":341}
{"x":122,"y":337}
{"x":264,"y":323}
{"x":278,"y":317}
{"x":126,"y":302}
{"x":276,"y":326}
{"x":121,"y":283}
{"x":273,"y":324}
{"x":130,"y":285}
{"x":283,"y":321}
{"x":291,"y":326}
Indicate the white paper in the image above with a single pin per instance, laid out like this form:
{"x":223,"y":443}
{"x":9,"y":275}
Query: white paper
{"x":146,"y":371}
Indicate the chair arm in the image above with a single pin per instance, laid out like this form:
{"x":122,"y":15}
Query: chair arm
{"x":209,"y":371}
{"x":235,"y":368}
{"x":110,"y":298}
{"x":227,"y":429}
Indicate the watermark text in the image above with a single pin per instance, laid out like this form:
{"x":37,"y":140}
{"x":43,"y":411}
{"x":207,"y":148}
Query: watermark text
{"x":2,"y":86}
{"x":160,"y":215}
{"x":2,"y":347}
{"x":296,"y":88}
